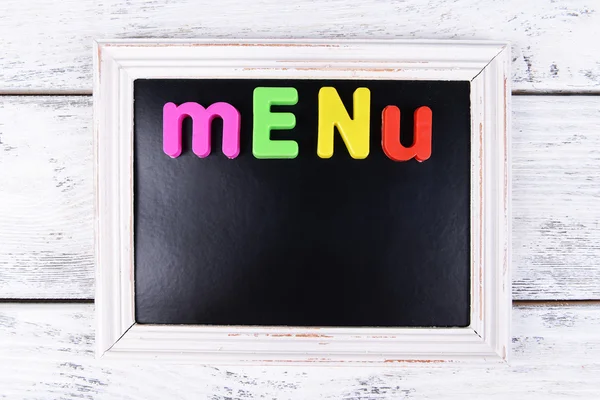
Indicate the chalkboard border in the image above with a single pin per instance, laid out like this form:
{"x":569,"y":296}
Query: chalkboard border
{"x":485,"y":64}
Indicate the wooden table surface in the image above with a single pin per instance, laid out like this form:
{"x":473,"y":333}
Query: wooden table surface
{"x":47,"y":201}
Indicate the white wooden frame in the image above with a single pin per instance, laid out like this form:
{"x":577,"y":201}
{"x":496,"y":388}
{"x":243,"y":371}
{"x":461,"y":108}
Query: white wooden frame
{"x":484,"y":64}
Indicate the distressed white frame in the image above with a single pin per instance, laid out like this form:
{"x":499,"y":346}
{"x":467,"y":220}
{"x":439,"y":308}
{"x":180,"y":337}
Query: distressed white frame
{"x":485,"y":64}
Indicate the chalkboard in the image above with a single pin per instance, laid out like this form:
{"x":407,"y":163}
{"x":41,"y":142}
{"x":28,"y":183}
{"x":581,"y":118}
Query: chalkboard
{"x":305,"y":241}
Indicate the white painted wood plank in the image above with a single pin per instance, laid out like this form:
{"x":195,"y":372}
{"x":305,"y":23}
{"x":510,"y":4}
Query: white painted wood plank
{"x":46,"y":352}
{"x":556,"y":197}
{"x":46,"y":198}
{"x":47,"y":45}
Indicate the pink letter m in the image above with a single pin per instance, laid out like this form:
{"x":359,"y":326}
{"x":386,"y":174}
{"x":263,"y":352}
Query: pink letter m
{"x":174,"y":115}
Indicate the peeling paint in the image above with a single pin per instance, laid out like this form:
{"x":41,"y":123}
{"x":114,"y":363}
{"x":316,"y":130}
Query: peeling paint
{"x":298,"y":335}
{"x":480,"y":269}
{"x":416,"y":361}
{"x":217,"y":44}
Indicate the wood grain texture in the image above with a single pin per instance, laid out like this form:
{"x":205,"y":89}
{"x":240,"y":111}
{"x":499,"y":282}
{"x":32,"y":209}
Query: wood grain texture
{"x":46,"y":197}
{"x":556,"y":217}
{"x":47,"y":353}
{"x":46,"y":200}
{"x":554,"y":46}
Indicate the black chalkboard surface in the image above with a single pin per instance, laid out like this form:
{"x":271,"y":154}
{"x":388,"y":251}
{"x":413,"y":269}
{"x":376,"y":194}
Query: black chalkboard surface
{"x":304,"y":241}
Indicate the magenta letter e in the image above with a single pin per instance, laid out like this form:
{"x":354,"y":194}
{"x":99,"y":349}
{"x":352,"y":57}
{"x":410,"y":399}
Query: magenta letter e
{"x":174,"y":115}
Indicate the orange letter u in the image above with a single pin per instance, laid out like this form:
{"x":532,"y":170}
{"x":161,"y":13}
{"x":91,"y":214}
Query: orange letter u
{"x":390,"y":135}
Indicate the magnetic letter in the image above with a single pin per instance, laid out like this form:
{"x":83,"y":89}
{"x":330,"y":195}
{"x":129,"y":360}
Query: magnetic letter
{"x":265,"y":121}
{"x":355,"y":132}
{"x":174,"y":115}
{"x":390,"y":135}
